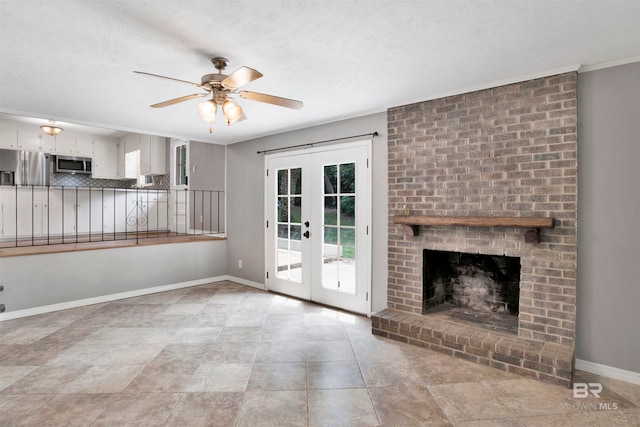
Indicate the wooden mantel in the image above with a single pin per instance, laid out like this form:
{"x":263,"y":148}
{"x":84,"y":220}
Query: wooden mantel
{"x":412,"y":223}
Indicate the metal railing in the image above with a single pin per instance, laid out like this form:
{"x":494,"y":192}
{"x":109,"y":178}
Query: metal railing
{"x":38,"y":215}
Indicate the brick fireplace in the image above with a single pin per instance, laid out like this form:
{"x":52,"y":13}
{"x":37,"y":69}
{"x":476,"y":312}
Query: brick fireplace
{"x":509,"y":151}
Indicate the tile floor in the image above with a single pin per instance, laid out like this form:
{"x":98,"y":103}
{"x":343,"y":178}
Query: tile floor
{"x":228,"y":355}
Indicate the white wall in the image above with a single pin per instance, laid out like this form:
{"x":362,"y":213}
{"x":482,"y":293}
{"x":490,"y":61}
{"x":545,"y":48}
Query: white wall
{"x":39,"y":280}
{"x":608,"y":293}
{"x":245,"y":198}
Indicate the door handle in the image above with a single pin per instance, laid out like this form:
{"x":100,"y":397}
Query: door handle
{"x":306,"y":234}
{"x":306,"y":224}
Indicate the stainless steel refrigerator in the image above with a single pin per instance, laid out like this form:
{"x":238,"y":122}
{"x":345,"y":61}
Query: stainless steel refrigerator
{"x":25,"y":167}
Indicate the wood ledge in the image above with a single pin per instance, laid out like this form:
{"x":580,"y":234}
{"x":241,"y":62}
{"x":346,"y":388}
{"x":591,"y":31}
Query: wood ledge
{"x":533,"y":225}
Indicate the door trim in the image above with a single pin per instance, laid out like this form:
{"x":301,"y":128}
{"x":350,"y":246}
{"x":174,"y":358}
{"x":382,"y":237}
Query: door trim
{"x":333,"y":147}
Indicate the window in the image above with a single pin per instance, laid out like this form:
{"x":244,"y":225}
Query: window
{"x":145,"y":181}
{"x":180,"y":165}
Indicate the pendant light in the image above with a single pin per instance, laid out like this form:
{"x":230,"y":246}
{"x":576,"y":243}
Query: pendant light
{"x":51,"y":129}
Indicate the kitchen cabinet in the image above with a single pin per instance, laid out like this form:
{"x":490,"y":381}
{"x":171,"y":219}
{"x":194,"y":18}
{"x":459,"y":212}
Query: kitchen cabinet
{"x":147,"y":211}
{"x":132,"y":164}
{"x":152,"y":155}
{"x":108,"y":211}
{"x":84,"y":147}
{"x":23,"y":212}
{"x":144,"y":155}
{"x":65,"y":145}
{"x":9,"y":139}
{"x":105,"y":159}
{"x":74,"y":212}
{"x":48,"y":143}
{"x":61,"y":213}
{"x":29,"y":221}
{"x":90,"y":213}
{"x":132,"y":148}
{"x":131,"y":142}
{"x":131,"y":156}
{"x":29,"y":141}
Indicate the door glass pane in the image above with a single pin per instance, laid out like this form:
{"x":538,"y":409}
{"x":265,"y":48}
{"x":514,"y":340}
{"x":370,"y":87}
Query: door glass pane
{"x":283,"y":259}
{"x":330,"y":210}
{"x":283,"y":233}
{"x":330,"y":238}
{"x":289,"y":210}
{"x":347,"y":282}
{"x":295,"y":215}
{"x":283,"y":209}
{"x":338,"y":267}
{"x":330,"y":179}
{"x":348,"y":178}
{"x":283,"y":181}
{"x":296,"y":233}
{"x":346,"y":263}
{"x":348,"y":210}
{"x":296,"y":181}
{"x":348,"y":243}
{"x":330,"y":258}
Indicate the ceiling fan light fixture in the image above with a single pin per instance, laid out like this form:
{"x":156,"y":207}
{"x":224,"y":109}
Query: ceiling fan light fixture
{"x":232,"y":111}
{"x":219,"y":86}
{"x":207,"y":110}
{"x":51,"y":129}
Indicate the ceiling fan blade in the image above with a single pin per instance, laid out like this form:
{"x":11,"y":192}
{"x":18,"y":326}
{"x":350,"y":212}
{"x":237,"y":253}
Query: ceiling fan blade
{"x":270,"y":99}
{"x":178,"y":100}
{"x":168,"y":78}
{"x":240,"y":77}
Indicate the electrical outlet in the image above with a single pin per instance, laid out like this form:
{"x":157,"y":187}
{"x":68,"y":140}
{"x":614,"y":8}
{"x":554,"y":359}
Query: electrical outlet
{"x":2,"y":308}
{"x":1,"y":288}
{"x":239,"y":263}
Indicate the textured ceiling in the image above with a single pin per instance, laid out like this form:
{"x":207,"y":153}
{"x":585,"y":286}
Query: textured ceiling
{"x":72,"y":60}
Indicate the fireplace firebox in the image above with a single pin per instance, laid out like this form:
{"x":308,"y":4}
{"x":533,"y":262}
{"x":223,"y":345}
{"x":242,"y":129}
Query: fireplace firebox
{"x":481,"y":282}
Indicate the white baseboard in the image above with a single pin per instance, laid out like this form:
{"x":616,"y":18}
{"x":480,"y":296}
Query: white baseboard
{"x":246,"y":282}
{"x":123,"y":295}
{"x":108,"y":298}
{"x":608,"y":371}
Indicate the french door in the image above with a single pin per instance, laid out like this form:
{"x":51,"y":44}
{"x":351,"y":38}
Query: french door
{"x":318,"y":214}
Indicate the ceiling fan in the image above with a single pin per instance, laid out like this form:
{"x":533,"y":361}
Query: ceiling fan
{"x":221,"y":88}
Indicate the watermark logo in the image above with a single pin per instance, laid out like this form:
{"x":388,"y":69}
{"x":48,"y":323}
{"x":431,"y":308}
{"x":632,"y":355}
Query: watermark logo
{"x":582,"y":390}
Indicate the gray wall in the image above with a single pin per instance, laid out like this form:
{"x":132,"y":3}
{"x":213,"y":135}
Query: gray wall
{"x":39,"y":280}
{"x":608,"y":318}
{"x":209,"y":163}
{"x":245,"y":198}
{"x":208,"y":160}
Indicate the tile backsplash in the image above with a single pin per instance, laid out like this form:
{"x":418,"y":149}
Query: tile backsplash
{"x":160,"y":182}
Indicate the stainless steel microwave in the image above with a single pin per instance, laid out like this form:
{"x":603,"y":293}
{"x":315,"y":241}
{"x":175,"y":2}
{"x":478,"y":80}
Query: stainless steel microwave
{"x":66,"y":164}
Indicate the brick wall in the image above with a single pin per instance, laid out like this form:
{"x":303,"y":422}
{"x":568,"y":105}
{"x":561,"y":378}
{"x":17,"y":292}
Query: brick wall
{"x":506,"y":151}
